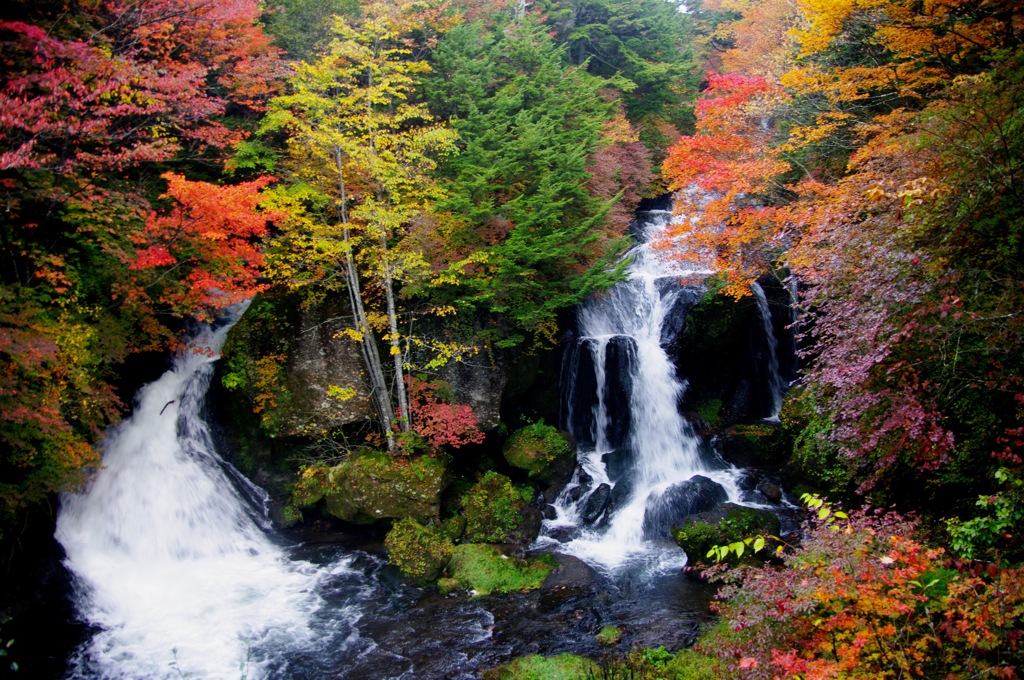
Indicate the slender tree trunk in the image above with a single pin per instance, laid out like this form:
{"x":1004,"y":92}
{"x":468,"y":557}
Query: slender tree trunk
{"x":405,"y":417}
{"x":374,"y":366}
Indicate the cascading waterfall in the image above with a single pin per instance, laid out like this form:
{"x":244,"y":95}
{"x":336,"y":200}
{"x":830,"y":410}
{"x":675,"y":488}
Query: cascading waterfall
{"x":171,"y":565}
{"x":641,"y":463}
{"x":776,"y":383}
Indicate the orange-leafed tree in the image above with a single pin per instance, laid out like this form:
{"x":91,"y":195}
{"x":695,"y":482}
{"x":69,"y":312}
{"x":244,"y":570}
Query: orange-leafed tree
{"x":723,"y":175}
{"x":204,"y":253}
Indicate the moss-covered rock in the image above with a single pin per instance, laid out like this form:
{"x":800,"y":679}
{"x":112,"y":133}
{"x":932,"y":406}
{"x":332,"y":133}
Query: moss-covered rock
{"x":723,"y":526}
{"x":493,"y":509}
{"x":375,"y":486}
{"x":485,"y":569}
{"x":419,"y":552}
{"x":535,"y":667}
{"x":609,"y":635}
{"x":539,"y":449}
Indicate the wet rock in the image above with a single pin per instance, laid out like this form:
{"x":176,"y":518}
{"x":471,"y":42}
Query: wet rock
{"x":480,"y":383}
{"x":697,"y":494}
{"x":548,"y":511}
{"x":620,"y":357}
{"x":618,"y":463}
{"x":564,"y":534}
{"x":529,"y":526}
{"x":571,"y":573}
{"x":621,"y":493}
{"x":596,"y":504}
{"x":770,"y":490}
{"x":581,"y":395}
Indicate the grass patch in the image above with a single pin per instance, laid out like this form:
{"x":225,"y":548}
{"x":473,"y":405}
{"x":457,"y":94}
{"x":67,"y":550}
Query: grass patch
{"x":485,"y":569}
{"x":561,"y":667}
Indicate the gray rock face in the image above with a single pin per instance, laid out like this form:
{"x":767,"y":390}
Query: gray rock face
{"x":319,"y":360}
{"x":479,"y":383}
{"x":697,"y":494}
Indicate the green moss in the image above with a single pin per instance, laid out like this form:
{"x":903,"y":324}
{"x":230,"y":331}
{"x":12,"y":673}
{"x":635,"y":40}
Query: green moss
{"x":537,"y":448}
{"x":711,"y":411}
{"x":419,"y":552}
{"x":561,"y":667}
{"x":484,"y":569}
{"x":609,"y":635}
{"x":696,"y":538}
{"x":375,"y":486}
{"x":493,"y":510}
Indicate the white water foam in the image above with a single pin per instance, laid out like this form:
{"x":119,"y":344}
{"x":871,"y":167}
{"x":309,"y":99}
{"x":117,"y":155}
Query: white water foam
{"x":776,"y":383}
{"x":171,"y":564}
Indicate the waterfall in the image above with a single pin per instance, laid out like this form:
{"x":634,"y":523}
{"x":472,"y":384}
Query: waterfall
{"x":641,"y":465}
{"x":171,"y":565}
{"x":776,"y":383}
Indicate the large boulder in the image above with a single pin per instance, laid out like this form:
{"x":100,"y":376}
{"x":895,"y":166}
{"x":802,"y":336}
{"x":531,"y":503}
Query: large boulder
{"x":318,"y":360}
{"x":697,"y":494}
{"x":376,"y":486}
{"x":420,"y":553}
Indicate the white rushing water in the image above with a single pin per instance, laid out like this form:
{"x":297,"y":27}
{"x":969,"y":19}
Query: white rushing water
{"x":660,"y":447}
{"x":776,"y":383}
{"x":171,"y":565}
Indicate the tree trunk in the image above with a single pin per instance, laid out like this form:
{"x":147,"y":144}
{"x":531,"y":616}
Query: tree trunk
{"x":368,"y":344}
{"x":405,"y":417}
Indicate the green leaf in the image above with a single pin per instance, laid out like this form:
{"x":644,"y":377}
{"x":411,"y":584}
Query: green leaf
{"x":759,"y":544}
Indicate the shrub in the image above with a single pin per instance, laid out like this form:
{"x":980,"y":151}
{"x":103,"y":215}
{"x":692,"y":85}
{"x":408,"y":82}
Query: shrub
{"x":492,"y":509}
{"x":698,"y":537}
{"x":419,"y":552}
{"x":862,"y":598}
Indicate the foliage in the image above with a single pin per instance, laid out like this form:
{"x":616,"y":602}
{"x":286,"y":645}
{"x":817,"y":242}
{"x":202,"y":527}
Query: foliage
{"x":484,"y":570}
{"x":492,"y":508}
{"x":724,"y":165}
{"x":746,"y":527}
{"x":521,"y":236}
{"x":536,"y":448}
{"x":209,"y":240}
{"x":875,"y":157}
{"x":361,"y":154}
{"x":993,"y":533}
{"x":863,"y":598}
{"x":441,"y":423}
{"x":644,"y":47}
{"x":561,"y":667}
{"x":95,"y":102}
{"x":419,"y":552}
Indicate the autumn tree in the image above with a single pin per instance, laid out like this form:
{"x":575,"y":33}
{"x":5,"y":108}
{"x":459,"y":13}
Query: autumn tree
{"x":883,"y":174}
{"x":92,"y":101}
{"x":364,"y":151}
